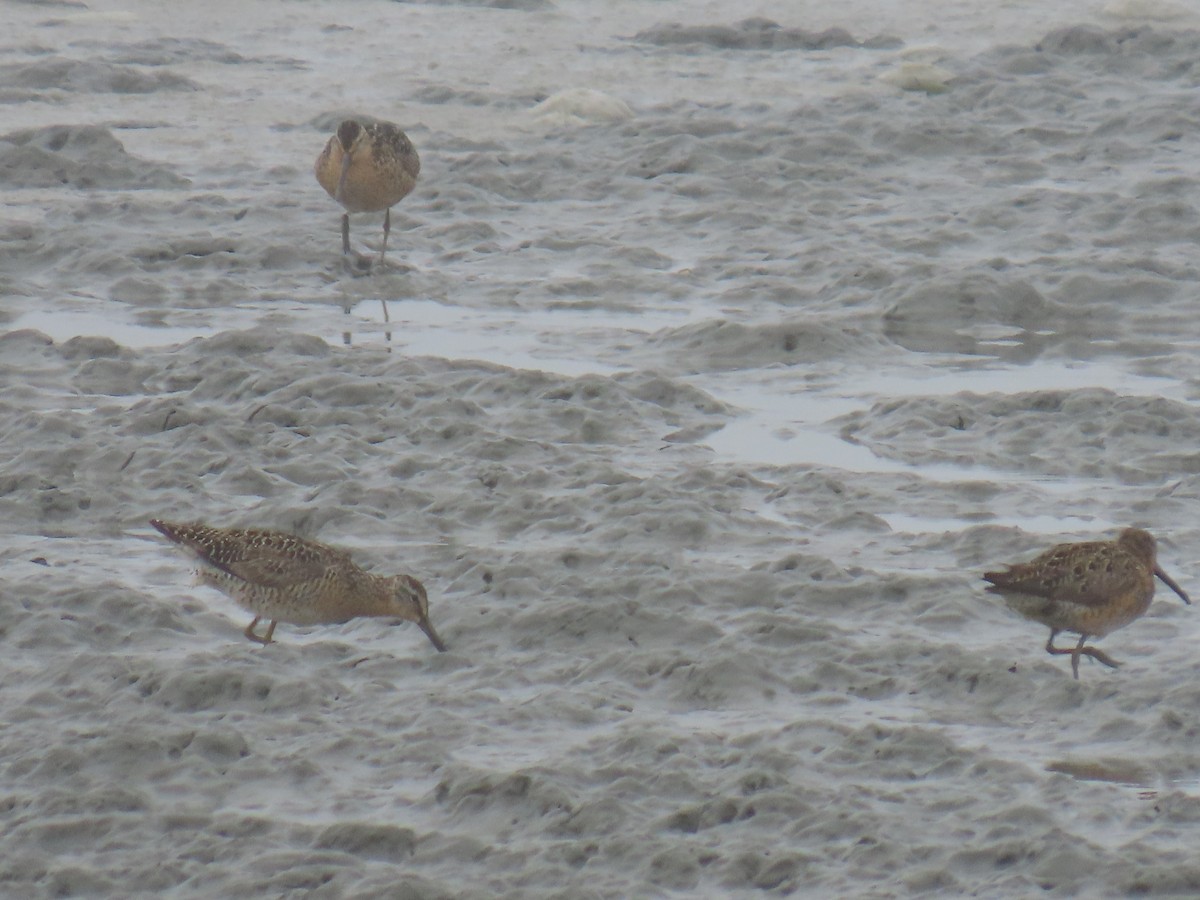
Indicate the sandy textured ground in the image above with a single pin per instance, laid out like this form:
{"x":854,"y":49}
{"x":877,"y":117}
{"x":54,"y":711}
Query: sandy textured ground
{"x":721,"y":359}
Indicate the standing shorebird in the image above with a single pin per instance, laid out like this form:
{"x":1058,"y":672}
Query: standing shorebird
{"x":284,"y":578}
{"x":1089,"y":589}
{"x":367,"y":167}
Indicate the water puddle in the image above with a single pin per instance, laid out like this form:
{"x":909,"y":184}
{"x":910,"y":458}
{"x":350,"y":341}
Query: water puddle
{"x":62,"y":325}
{"x":427,"y":328}
{"x":790,"y":423}
{"x":564,"y":341}
{"x":787,"y":417}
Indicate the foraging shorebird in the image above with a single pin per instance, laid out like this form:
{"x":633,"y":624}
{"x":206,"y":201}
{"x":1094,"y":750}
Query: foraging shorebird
{"x":284,"y":578}
{"x":1089,"y":589}
{"x":367,"y":167}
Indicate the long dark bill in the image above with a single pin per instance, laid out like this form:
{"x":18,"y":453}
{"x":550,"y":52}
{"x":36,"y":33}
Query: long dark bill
{"x":427,"y":627}
{"x":346,"y":160}
{"x":1170,"y":582}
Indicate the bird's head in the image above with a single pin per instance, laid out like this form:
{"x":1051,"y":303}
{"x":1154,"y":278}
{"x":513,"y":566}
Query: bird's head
{"x":409,"y":601}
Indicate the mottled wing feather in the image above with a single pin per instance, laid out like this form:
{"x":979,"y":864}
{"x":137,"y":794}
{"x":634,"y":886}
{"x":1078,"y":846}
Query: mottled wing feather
{"x":270,"y":570}
{"x":264,"y":558}
{"x":395,"y":145}
{"x":1088,"y":574}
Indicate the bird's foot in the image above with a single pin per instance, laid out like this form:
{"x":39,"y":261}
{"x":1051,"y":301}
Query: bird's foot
{"x":1099,"y":655}
{"x":383,"y":264}
{"x":255,"y":636}
{"x":356,"y":265}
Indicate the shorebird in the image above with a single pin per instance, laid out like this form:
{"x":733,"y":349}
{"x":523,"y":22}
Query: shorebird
{"x":1089,"y":589}
{"x":367,"y":167}
{"x":284,"y":578}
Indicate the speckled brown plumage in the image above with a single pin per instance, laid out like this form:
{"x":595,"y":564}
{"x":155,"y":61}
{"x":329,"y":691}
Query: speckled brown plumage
{"x":367,"y":167}
{"x":1090,"y":589}
{"x":284,"y":578}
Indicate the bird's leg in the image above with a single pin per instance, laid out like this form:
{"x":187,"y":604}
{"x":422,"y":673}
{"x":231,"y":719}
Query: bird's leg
{"x":1101,"y":657}
{"x":387,"y":227}
{"x":1079,"y":650}
{"x":357,"y":264}
{"x":1075,"y":656}
{"x":257,"y":638}
{"x":1074,"y":651}
{"x":354,"y":264}
{"x":250,"y":633}
{"x":1050,"y":648}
